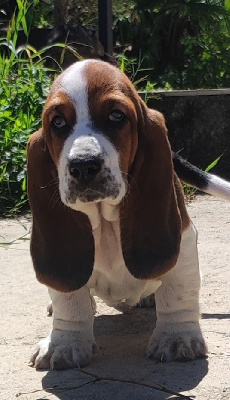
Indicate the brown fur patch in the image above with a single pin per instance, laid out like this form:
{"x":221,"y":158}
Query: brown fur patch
{"x":62,"y":245}
{"x":57,"y":104}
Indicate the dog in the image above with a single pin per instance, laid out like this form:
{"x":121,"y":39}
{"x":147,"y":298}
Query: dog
{"x":109,"y":217}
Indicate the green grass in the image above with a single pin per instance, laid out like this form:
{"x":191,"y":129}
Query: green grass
{"x":24,"y":85}
{"x":23,"y":89}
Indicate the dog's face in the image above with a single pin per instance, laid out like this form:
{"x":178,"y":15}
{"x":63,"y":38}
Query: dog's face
{"x":92,"y":125}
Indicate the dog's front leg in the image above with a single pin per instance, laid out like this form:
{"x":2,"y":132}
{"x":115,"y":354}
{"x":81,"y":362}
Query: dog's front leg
{"x":177,"y":335}
{"x":71,"y":342}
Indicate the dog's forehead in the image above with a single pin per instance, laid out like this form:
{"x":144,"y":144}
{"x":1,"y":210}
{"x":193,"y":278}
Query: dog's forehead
{"x":87,"y":78}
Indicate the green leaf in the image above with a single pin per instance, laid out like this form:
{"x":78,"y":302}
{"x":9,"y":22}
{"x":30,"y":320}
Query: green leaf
{"x":227,"y":5}
{"x":213,"y":164}
{"x":24,"y":184}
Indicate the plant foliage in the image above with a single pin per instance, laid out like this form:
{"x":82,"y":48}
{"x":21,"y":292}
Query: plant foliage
{"x":22,"y":94}
{"x":24,"y":83}
{"x":185,"y":42}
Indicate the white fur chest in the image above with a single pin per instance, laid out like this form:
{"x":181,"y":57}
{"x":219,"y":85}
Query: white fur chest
{"x":111,"y":280}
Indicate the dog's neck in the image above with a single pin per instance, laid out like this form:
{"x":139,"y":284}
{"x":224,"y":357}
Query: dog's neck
{"x":96,"y":212}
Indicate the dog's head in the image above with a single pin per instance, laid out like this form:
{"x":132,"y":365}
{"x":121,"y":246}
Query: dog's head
{"x":90,"y":125}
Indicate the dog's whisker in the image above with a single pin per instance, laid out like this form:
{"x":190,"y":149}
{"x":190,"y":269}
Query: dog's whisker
{"x":55,"y":198}
{"x":52,"y":182}
{"x":127,"y":177}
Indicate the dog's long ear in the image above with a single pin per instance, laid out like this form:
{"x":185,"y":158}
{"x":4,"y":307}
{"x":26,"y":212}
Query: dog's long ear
{"x":62,"y":244}
{"x":150,"y":218}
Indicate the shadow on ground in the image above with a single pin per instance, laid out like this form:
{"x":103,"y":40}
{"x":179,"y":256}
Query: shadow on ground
{"x":120,"y":370}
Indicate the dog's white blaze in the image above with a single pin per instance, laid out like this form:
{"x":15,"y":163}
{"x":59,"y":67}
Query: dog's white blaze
{"x":74,"y":84}
{"x":83,"y":144}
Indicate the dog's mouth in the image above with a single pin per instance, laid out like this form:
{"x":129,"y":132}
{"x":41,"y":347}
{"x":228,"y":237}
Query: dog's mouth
{"x":95,"y":192}
{"x":87,"y":196}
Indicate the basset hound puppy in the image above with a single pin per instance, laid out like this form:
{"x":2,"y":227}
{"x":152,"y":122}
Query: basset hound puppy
{"x":109,"y":217}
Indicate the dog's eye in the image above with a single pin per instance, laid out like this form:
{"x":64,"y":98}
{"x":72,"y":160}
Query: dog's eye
{"x":116,"y":116}
{"x":58,"y":122}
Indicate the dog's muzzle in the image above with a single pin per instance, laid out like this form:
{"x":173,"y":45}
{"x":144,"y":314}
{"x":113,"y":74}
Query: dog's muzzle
{"x":89,"y":171}
{"x":90,"y":180}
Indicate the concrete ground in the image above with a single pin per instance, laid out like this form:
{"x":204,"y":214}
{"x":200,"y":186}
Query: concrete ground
{"x":119,"y":370}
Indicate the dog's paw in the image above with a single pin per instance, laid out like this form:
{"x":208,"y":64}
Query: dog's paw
{"x":170,"y":343}
{"x":62,"y":350}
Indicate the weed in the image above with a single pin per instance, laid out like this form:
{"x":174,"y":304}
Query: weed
{"x":133,"y":68}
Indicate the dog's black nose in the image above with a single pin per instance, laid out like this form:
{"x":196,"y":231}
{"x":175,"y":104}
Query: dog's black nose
{"x":84,"y":170}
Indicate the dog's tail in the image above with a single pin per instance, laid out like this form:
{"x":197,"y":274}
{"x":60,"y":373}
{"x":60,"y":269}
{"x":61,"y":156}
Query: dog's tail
{"x":202,"y":180}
